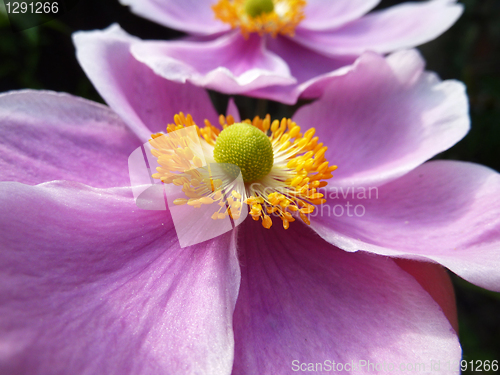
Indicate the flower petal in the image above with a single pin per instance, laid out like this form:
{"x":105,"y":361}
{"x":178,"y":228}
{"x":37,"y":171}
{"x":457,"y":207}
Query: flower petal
{"x":313,"y":71}
{"x":304,"y":300}
{"x":232,"y":110}
{"x":402,"y":118}
{"x":230,"y":64}
{"x":304,"y":63}
{"x":436,"y":281}
{"x":319,"y":16}
{"x":443,"y":211}
{"x":402,"y":26}
{"x":191,"y":16}
{"x":48,"y":136}
{"x":145,"y":101}
{"x":94,"y":285}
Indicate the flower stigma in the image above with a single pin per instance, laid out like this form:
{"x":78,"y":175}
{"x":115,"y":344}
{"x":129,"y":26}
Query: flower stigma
{"x":247,"y":147}
{"x":282,"y":168}
{"x":261,"y":16}
{"x":255,"y":8}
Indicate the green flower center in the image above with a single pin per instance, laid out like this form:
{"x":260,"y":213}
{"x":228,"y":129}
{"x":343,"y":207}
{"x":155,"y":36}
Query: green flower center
{"x":247,"y":147}
{"x":255,"y":8}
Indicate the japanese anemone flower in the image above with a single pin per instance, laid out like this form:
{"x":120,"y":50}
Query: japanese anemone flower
{"x":278,"y":49}
{"x":91,"y":284}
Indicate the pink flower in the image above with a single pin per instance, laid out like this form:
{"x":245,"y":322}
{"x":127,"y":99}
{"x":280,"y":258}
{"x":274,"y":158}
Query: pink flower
{"x":90,"y":284}
{"x":297,"y":45}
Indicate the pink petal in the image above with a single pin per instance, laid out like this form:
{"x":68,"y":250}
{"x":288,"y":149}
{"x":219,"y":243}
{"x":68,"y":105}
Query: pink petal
{"x":232,"y":110}
{"x":402,"y":26}
{"x":304,"y":300}
{"x":191,"y":16}
{"x":436,"y":281}
{"x":145,"y":101}
{"x":401,"y":116}
{"x":406,"y":65}
{"x":304,"y":64}
{"x":48,"y":136}
{"x":443,"y":211}
{"x":94,"y":285}
{"x":230,"y":64}
{"x":320,"y":15}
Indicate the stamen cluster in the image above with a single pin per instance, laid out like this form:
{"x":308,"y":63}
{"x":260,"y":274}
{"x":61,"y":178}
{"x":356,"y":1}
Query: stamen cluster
{"x":292,"y":185}
{"x":288,"y":191}
{"x":181,"y":166}
{"x":282,"y":19}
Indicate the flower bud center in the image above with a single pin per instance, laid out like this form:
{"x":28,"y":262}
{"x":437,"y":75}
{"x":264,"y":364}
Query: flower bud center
{"x":247,"y":147}
{"x":255,"y":8}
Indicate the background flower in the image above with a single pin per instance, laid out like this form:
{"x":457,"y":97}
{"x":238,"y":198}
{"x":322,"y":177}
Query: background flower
{"x":281,"y":68}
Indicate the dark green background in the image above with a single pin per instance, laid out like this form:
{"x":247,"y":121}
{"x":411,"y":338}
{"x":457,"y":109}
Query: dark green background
{"x":43,"y":58}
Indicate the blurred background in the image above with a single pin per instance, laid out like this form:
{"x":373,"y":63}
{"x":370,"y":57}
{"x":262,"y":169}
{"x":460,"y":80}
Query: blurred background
{"x":43,"y":57}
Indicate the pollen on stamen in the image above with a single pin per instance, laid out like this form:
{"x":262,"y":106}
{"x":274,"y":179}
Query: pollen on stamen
{"x":261,"y":16}
{"x":288,"y":190}
{"x":181,"y":164}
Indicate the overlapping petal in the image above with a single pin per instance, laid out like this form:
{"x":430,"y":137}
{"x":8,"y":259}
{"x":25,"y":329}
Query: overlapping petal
{"x":230,"y":64}
{"x":95,"y":285}
{"x":403,"y":26}
{"x":385,"y":117}
{"x":436,"y":281}
{"x":443,"y":211}
{"x":304,"y":64}
{"x":191,"y":16}
{"x":304,"y":300}
{"x":48,"y":136}
{"x":144,"y":100}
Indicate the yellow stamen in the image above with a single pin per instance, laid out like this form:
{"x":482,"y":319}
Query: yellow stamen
{"x":290,"y":187}
{"x":298,"y":171}
{"x":261,"y":16}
